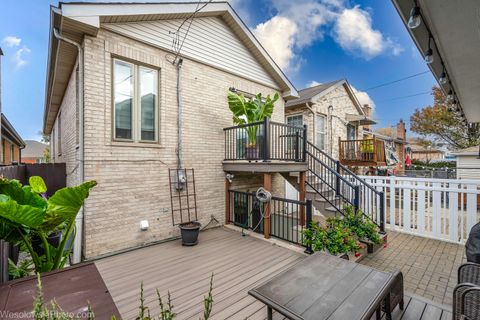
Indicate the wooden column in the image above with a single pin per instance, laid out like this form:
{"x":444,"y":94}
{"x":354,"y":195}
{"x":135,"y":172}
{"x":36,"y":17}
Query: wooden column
{"x":302,"y":195}
{"x":227,"y":201}
{"x":267,"y":184}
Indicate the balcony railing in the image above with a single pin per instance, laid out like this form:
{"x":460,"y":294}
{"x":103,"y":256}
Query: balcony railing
{"x":265,"y":141}
{"x":365,"y":152}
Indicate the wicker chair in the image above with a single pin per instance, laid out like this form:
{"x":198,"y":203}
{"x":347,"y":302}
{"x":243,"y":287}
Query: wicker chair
{"x":470,"y":303}
{"x":469,"y":273}
{"x":458,"y":302}
{"x":396,"y":295}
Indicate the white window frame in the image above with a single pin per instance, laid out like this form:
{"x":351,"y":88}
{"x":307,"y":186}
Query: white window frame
{"x":317,"y":131}
{"x":136,"y":104}
{"x":295,"y":115}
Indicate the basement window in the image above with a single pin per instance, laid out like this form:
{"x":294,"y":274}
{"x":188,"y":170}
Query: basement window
{"x":135,"y":91}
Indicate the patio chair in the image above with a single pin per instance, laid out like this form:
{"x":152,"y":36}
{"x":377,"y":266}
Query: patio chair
{"x":469,"y":304}
{"x":469,"y":273}
{"x":461,"y":306}
{"x":396,"y":295}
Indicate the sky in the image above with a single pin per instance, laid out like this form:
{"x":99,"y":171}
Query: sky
{"x":313,"y":41}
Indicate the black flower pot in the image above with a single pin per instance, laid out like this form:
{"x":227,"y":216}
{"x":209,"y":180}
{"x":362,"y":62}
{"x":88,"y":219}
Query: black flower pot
{"x":190,"y":231}
{"x":53,"y":239}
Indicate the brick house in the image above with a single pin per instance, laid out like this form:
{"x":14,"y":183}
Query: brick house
{"x":112,"y":111}
{"x":12,"y":143}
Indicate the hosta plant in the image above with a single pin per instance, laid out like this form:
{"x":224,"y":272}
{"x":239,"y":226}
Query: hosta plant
{"x":27,"y":214}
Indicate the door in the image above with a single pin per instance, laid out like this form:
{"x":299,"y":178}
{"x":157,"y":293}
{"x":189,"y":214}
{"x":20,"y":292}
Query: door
{"x":290,"y":191}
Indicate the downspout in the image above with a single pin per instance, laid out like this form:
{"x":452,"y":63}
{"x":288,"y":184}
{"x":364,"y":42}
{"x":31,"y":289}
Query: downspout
{"x":80,"y":221}
{"x":179,"y":114}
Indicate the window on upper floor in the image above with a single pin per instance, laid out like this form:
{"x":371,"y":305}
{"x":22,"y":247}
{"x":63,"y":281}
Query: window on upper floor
{"x":135,"y":98}
{"x":321,"y":131}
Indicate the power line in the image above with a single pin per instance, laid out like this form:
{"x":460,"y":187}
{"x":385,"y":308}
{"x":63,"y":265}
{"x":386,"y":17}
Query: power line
{"x":407,"y":96}
{"x":395,"y":81}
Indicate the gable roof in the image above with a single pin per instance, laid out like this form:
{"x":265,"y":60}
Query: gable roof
{"x":76,"y":19}
{"x":33,"y":149}
{"x":471,"y":151}
{"x":306,"y":95}
{"x":9,"y":131}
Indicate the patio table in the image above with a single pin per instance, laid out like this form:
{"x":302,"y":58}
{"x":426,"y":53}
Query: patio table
{"x":326,"y":287}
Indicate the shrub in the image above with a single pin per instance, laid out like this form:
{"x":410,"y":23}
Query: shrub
{"x":333,"y":238}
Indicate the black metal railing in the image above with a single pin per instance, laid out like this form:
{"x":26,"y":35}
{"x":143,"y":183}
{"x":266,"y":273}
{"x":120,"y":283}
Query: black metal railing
{"x":265,"y":140}
{"x":339,"y":186}
{"x":280,"y":218}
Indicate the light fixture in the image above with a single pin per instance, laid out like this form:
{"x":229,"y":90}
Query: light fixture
{"x":450,"y":95}
{"x":443,"y":77}
{"x":415,"y":18}
{"x":429,"y":53}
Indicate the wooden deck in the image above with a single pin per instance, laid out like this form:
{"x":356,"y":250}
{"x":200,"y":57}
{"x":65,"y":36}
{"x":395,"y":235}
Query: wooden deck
{"x":238,"y":263}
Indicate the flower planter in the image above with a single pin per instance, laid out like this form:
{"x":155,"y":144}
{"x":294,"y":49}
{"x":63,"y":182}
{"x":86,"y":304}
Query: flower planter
{"x":374,"y":247}
{"x":189,"y":232}
{"x":53,"y":239}
{"x":252,"y":152}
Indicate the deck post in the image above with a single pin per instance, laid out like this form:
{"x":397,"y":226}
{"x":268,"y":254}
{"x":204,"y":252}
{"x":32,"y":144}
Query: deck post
{"x":308,"y":246}
{"x":337,"y":180}
{"x":4,"y":253}
{"x":302,"y":195}
{"x":266,"y":140}
{"x":382,"y":212}
{"x":267,"y":185}
{"x":356,"y":200}
{"x":227,"y":200}
{"x":304,"y":141}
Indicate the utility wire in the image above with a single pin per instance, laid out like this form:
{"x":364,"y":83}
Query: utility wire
{"x":395,"y":81}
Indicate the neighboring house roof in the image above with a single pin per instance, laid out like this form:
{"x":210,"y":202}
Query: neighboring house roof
{"x":9,"y":131}
{"x":33,"y":149}
{"x":307,"y":95}
{"x":471,"y":151}
{"x":383,"y":137}
{"x":75,"y":20}
{"x":420,"y":148}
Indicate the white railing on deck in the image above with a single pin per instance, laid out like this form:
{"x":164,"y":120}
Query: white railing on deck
{"x":435,"y":208}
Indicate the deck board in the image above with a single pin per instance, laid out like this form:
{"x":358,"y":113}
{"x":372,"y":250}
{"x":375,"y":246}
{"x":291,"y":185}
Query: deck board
{"x":238,"y":263}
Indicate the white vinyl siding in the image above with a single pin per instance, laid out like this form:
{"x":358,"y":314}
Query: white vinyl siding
{"x":472,"y":163}
{"x":209,"y":41}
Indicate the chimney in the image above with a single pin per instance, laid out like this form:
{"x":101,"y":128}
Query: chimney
{"x":368,"y":113}
{"x":401,"y":131}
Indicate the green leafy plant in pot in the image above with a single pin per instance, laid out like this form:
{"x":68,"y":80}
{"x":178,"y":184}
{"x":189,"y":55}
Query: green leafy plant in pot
{"x":29,"y":218}
{"x":246,"y":112}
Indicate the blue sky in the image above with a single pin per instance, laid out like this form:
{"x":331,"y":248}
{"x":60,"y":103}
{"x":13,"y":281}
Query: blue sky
{"x":314,"y":41}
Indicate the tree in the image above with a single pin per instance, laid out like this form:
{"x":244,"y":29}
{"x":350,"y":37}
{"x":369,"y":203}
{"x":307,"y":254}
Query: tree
{"x":442,"y":123}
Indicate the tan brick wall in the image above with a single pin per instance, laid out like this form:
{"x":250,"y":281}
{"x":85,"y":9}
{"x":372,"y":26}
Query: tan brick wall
{"x":336,"y":123}
{"x":133,"y":178}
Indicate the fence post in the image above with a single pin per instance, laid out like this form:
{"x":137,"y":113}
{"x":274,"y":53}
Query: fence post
{"x":297,"y":145}
{"x":356,"y":200}
{"x":266,"y":140}
{"x":337,"y":180}
{"x":305,"y":137}
{"x":308,"y":246}
{"x":382,"y":212}
{"x":4,"y":253}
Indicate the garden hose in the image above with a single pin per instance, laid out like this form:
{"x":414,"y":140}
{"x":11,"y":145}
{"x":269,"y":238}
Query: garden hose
{"x":263,"y":196}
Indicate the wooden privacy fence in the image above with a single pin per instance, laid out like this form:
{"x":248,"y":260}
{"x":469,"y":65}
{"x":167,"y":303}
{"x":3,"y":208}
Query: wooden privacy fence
{"x":441,"y":209}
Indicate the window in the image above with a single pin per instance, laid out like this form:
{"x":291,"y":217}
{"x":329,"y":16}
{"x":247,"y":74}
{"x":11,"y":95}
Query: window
{"x":295,"y":120}
{"x":135,"y":102}
{"x":320,"y":134}
{"x":351,"y":132}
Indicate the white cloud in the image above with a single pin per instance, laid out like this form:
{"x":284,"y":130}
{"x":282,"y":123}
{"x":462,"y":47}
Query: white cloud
{"x":363,"y":98}
{"x":11,"y":41}
{"x":20,"y":56}
{"x":277,"y":36}
{"x":353,"y":31}
{"x":313,"y":83}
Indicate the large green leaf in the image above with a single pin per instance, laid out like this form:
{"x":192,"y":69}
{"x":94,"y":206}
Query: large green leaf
{"x":22,"y":195}
{"x":243,"y":111}
{"x":64,"y":205}
{"x":18,"y":214}
{"x":37,"y":184}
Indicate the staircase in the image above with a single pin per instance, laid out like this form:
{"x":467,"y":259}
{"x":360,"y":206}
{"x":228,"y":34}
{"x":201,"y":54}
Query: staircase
{"x":332,"y":186}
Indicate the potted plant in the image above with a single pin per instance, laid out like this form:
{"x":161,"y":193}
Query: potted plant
{"x":365,"y":229}
{"x":249,"y":111}
{"x":26,"y":214}
{"x":189,"y":232}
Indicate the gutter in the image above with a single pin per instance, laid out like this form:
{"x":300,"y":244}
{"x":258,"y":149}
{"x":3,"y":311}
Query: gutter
{"x":78,"y":244}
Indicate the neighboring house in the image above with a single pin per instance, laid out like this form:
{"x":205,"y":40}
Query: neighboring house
{"x":34,"y":152}
{"x":12,"y":143}
{"x":331,"y":112}
{"x":394,"y":140}
{"x":426,"y":154}
{"x":468,"y":163}
{"x":122,"y":132}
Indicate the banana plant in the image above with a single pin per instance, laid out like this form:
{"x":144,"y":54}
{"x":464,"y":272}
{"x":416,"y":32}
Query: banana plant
{"x":247,"y":111}
{"x":26,"y":213}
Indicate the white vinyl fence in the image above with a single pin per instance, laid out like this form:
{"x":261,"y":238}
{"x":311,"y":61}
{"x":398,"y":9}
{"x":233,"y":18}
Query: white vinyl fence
{"x":435,"y":208}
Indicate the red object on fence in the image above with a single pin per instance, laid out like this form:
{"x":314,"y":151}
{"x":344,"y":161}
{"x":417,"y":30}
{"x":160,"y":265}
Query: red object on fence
{"x":408,"y":161}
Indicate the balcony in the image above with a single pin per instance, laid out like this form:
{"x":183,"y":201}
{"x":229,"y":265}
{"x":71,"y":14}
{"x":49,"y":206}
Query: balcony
{"x":362,"y":153}
{"x":265,"y":146}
